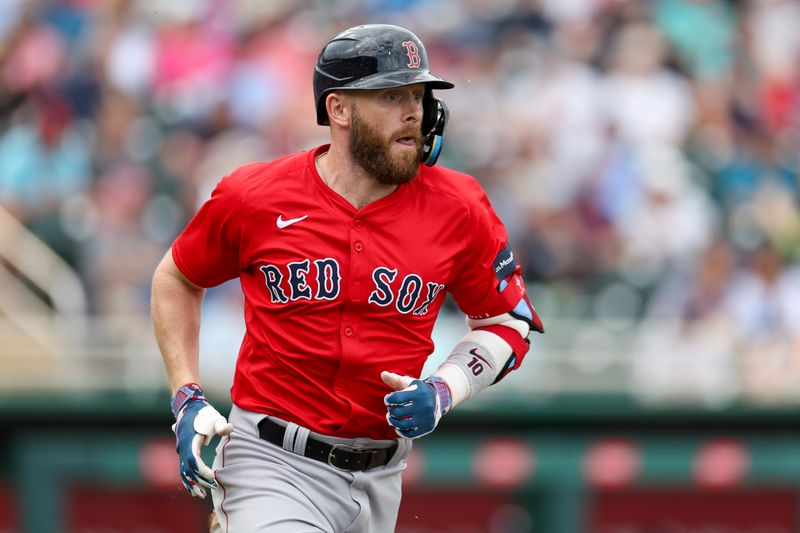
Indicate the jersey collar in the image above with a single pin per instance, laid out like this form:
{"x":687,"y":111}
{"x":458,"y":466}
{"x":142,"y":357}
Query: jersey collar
{"x":383,"y":205}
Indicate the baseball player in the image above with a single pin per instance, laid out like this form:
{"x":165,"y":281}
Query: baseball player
{"x":344,"y":254}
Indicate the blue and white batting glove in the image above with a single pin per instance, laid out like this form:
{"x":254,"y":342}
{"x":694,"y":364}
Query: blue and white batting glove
{"x":416,"y":406}
{"x":196,"y":424}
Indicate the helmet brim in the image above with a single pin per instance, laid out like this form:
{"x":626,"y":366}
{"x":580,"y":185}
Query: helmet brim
{"x":387,"y":80}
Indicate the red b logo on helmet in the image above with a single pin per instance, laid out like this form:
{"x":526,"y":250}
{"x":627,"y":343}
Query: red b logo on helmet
{"x":413,"y":54}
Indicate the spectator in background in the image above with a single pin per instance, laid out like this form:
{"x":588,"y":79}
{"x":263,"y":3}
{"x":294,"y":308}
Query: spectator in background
{"x":192,"y":62}
{"x":44,"y":162}
{"x":762,"y":302}
{"x":775,"y":51}
{"x":689,"y":354}
{"x":119,"y":249}
{"x":648,"y":103}
{"x":673,"y":221}
{"x":762,"y":298}
{"x":569,"y":115}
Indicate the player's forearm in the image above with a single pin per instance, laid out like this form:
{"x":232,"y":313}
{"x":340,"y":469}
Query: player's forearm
{"x":473,"y":365}
{"x":175,"y":309}
{"x":483,"y":356}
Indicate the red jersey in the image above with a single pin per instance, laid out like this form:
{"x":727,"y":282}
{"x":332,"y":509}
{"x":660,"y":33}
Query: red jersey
{"x":333,"y":294}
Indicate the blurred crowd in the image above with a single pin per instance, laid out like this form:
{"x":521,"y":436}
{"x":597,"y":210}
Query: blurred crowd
{"x":644,"y":155}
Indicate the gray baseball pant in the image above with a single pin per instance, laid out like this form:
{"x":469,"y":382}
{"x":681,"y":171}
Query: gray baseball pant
{"x":266,"y":488}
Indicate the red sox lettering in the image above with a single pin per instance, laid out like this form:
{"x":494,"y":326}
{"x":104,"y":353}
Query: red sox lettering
{"x":326,"y":274}
{"x":321,"y":280}
{"x":408,"y":295}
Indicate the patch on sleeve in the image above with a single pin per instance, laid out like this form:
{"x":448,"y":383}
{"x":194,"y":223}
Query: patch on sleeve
{"x":504,"y":264}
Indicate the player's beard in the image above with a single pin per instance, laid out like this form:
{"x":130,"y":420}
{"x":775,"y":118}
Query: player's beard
{"x":373,"y":152}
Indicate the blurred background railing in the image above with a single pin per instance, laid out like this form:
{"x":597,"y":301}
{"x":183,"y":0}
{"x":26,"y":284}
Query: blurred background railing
{"x":644,"y":155}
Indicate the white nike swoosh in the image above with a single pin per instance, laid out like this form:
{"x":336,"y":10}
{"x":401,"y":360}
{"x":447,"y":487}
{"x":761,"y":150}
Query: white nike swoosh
{"x":284,"y":223}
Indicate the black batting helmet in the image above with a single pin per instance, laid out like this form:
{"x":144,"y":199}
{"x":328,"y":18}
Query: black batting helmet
{"x":381,"y":56}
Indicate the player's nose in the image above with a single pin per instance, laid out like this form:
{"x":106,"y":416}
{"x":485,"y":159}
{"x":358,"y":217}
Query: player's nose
{"x":412,"y":110}
{"x":414,"y":114}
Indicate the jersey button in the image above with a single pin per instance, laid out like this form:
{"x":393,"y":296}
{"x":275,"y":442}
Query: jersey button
{"x":358,"y":246}
{"x":358,"y":223}
{"x":348,"y":332}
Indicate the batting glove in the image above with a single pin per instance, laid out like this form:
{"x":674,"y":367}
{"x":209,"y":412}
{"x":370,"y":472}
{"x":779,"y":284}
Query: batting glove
{"x":415,"y":408}
{"x":196,"y":424}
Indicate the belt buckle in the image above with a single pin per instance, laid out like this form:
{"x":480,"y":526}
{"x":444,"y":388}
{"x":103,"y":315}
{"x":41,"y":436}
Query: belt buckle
{"x":331,"y":454}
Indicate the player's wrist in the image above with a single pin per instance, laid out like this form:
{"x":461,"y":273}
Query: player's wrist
{"x":443,"y":393}
{"x":456,"y":381}
{"x":185,"y":394}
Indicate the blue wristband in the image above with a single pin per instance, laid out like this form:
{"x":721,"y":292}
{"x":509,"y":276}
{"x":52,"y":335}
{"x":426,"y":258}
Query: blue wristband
{"x":190,"y":391}
{"x":443,"y":392}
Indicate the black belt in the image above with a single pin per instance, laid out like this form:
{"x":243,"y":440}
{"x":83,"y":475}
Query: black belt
{"x":341,"y":456}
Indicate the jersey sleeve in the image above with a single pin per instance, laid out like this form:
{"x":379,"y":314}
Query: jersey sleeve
{"x":207,"y":251}
{"x":488,"y":282}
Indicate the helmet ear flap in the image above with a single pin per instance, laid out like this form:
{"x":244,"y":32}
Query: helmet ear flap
{"x":434,"y":124}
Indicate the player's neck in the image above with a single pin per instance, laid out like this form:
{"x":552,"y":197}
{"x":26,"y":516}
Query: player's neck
{"x":349,"y":180}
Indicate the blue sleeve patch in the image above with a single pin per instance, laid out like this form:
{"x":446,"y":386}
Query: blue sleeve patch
{"x":504,"y":264}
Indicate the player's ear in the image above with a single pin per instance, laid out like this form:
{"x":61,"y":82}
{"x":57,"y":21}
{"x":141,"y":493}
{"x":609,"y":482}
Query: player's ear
{"x":339,"y":106}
